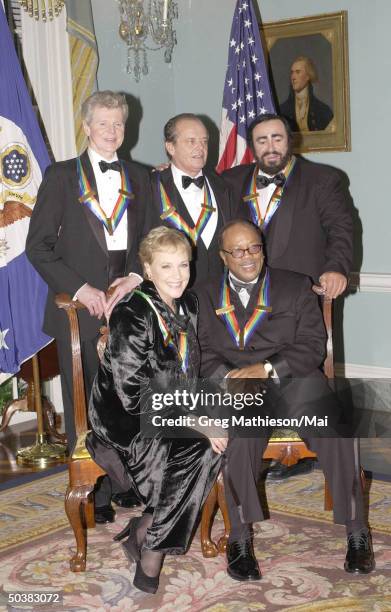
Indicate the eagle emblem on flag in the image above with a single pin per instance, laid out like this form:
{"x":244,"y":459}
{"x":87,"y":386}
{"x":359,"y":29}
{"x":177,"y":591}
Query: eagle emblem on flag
{"x":20,"y":176}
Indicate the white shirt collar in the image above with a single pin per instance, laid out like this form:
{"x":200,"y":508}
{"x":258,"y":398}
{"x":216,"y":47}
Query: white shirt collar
{"x":261,"y":172}
{"x":233,"y":277}
{"x":95,"y":157}
{"x":177,"y":173}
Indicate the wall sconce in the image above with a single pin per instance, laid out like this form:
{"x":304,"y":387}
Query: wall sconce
{"x":144,"y":22}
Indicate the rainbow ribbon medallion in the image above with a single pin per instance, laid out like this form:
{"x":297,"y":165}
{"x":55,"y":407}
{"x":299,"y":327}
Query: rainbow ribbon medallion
{"x":252,"y":197}
{"x":88,"y":197}
{"x":170,"y":214}
{"x":227,"y":311}
{"x":183,"y":349}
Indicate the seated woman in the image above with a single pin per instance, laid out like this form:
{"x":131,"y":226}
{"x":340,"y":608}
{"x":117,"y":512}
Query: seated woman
{"x":152,"y":336}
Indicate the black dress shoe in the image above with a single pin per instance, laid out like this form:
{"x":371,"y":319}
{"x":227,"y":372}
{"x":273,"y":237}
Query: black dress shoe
{"x":126,"y":500}
{"x":242,"y":564}
{"x":279,"y":471}
{"x":359,"y":557}
{"x":104,"y":514}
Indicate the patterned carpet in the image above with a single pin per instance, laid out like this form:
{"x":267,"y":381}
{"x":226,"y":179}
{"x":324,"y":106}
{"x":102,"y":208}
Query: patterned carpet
{"x":301,"y":556}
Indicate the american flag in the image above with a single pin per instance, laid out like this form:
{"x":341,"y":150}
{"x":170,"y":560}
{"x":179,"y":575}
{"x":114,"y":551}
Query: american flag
{"x":246,"y":89}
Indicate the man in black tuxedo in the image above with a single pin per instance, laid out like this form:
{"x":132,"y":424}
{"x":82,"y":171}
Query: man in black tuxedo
{"x":300,"y":206}
{"x":81,"y":248}
{"x":302,"y":210}
{"x":287,"y":343}
{"x":190,"y":197}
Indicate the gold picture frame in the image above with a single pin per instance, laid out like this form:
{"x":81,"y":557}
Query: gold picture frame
{"x":323,"y":39}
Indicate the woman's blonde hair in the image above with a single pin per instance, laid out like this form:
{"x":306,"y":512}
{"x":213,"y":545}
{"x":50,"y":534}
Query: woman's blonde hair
{"x":159,"y":239}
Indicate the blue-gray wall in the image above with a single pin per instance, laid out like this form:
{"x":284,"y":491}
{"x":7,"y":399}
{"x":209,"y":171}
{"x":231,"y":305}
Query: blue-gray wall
{"x":194,"y":82}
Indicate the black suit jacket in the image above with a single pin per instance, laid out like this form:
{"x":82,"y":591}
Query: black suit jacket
{"x":206,"y":262}
{"x":312,"y":230}
{"x":292,"y":337}
{"x":66,"y":242}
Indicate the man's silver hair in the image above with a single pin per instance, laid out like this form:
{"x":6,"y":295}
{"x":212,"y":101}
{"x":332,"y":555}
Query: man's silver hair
{"x":105,"y":99}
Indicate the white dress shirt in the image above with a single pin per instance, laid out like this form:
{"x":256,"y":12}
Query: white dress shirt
{"x":108,"y":183}
{"x":265,"y":194}
{"x":193,"y":198}
{"x":243,"y":294}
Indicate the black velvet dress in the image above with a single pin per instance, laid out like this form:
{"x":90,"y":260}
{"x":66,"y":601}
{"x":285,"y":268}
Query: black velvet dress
{"x":171,"y":476}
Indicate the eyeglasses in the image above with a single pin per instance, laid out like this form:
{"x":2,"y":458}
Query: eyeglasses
{"x":239,"y":253}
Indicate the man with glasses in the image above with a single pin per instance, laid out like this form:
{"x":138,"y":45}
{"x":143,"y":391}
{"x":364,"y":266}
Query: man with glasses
{"x":258,"y":323}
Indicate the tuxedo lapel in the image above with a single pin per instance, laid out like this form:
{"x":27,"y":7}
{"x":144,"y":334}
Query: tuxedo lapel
{"x":222,"y":205}
{"x":277,"y":235}
{"x":94,"y":223}
{"x":132,"y":212}
{"x":240,"y":310}
{"x":247,"y":178}
{"x":175,"y":197}
{"x":131,"y":226}
{"x":220,"y":195}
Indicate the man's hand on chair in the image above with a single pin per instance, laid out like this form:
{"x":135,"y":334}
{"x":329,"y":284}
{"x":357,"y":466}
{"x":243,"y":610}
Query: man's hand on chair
{"x":93,"y":299}
{"x":332,"y":284}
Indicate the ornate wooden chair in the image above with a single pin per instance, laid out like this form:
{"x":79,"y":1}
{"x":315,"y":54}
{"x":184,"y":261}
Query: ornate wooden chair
{"x":83,"y":471}
{"x":288,"y":450}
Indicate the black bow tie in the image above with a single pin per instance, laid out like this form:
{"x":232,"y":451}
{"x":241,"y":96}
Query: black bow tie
{"x":238,"y":285}
{"x":104,"y":165}
{"x":263,"y":181}
{"x":198,"y":182}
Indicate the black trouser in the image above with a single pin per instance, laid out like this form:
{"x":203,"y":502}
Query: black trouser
{"x":338,"y":458}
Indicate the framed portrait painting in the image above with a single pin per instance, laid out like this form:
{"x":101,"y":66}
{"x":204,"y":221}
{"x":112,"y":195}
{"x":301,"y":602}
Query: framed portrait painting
{"x":308,"y":60}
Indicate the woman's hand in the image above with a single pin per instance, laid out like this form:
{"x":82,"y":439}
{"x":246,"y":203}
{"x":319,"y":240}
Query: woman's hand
{"x":219,"y":444}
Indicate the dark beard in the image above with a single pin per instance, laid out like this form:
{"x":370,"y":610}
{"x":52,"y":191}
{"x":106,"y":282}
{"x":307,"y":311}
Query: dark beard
{"x":275,"y":168}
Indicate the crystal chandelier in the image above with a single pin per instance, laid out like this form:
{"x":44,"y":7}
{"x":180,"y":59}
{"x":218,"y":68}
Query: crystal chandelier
{"x":49,"y":8}
{"x":144,"y":22}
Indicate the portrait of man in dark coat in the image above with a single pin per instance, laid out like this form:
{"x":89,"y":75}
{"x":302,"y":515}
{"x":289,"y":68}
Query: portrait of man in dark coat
{"x":304,"y":111}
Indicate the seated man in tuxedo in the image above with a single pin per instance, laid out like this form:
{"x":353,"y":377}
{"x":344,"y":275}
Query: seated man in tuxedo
{"x":258,"y":322}
{"x":189,"y":196}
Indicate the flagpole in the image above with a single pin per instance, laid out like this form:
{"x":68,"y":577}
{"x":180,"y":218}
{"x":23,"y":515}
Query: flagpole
{"x":43,"y":453}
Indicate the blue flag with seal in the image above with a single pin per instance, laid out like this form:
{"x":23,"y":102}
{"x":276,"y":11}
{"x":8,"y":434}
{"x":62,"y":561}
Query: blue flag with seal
{"x":23,"y":159}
